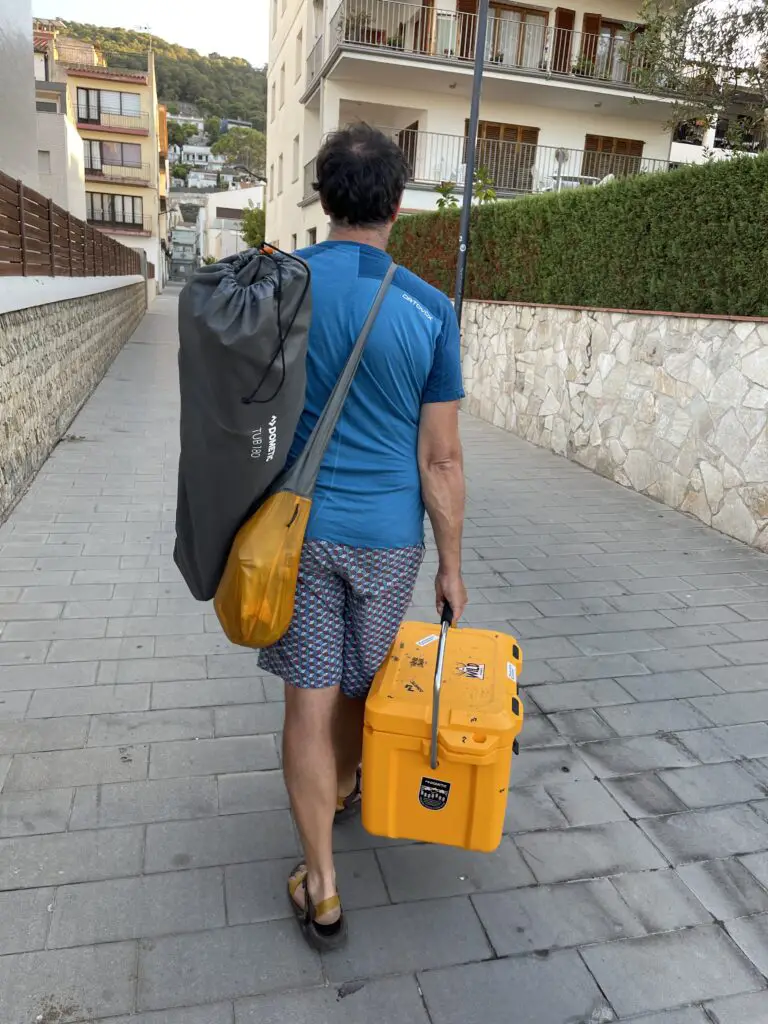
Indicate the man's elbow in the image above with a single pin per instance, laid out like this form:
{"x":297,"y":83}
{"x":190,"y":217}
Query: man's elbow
{"x":442,"y":463}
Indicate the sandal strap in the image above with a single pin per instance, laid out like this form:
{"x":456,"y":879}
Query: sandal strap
{"x":297,"y":879}
{"x":326,"y":906}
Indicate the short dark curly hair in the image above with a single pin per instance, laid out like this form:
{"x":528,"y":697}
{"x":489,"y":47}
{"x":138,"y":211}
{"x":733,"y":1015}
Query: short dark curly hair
{"x":361,"y":176}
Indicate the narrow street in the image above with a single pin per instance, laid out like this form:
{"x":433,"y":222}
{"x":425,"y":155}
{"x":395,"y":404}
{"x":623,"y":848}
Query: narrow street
{"x":145,"y":838}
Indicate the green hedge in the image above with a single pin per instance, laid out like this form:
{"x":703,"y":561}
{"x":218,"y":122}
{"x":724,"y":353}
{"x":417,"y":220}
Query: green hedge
{"x":693,"y":240}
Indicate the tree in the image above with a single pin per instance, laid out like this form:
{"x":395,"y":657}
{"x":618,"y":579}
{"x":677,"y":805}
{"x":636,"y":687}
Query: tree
{"x":253,"y":225}
{"x":179,"y":134}
{"x":713,"y":57}
{"x":446,"y":198}
{"x":244,"y":146}
{"x":483,"y":186}
{"x":181,"y":171}
{"x":213,"y":129}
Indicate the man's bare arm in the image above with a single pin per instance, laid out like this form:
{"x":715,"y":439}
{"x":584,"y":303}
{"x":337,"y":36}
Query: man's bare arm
{"x":441,"y":466}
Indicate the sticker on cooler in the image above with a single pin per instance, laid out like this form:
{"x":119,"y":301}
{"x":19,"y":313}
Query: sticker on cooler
{"x":471,"y":670}
{"x":427,"y":640}
{"x":433,"y":793}
{"x":512,"y":671}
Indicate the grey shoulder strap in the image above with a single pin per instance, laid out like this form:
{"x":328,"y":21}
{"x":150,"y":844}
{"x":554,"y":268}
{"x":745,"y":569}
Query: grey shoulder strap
{"x":301,"y":477}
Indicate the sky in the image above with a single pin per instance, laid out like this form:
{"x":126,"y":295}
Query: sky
{"x":233,"y":30}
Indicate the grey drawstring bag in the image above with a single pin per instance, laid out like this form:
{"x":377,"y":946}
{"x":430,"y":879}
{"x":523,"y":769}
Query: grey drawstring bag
{"x":243,"y":330}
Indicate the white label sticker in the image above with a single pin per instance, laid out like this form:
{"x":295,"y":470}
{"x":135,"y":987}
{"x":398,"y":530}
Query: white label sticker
{"x":427,"y":640}
{"x":471,"y":670}
{"x":512,"y":671}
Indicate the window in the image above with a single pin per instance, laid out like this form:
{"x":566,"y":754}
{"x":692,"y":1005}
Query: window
{"x":280,"y":174}
{"x":312,"y":236}
{"x":43,"y":161}
{"x":94,"y":106}
{"x":109,"y":209}
{"x":516,"y":37}
{"x":272,"y":181}
{"x":299,"y":54}
{"x":606,"y":49}
{"x":273,"y":102}
{"x":295,"y":165}
{"x":282,"y":85}
{"x":273,"y":16}
{"x":605,"y":155}
{"x":47,"y":106}
{"x":294,"y":243}
{"x":507,"y":152}
{"x":121,"y":154}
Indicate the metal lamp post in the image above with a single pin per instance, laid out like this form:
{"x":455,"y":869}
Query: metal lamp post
{"x":469,"y":175}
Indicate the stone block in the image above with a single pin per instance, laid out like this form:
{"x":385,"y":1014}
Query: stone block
{"x":670,"y":969}
{"x":706,"y":834}
{"x":133,"y":803}
{"x":230,"y":839}
{"x":553,"y":988}
{"x":725,"y":887}
{"x":224,"y":963}
{"x":392,"y":940}
{"x":588,"y":852}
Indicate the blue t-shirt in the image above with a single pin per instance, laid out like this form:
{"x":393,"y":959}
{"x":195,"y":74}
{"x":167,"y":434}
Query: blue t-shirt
{"x":368,"y":492}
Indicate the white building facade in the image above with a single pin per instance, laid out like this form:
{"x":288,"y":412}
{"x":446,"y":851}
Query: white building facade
{"x":559,"y":104}
{"x":224,"y":220}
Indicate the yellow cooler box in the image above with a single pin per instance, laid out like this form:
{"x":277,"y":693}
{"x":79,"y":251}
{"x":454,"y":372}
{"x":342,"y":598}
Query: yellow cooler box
{"x":441,"y":722}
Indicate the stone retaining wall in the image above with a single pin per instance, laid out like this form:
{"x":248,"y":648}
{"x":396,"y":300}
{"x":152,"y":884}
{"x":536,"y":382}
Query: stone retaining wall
{"x":52,"y":356}
{"x":675,"y":407}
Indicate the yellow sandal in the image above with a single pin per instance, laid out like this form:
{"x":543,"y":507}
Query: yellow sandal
{"x":322,"y":937}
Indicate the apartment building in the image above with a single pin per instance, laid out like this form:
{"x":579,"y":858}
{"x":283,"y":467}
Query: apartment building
{"x":124,"y":137}
{"x":224,"y":220}
{"x":561,"y":102}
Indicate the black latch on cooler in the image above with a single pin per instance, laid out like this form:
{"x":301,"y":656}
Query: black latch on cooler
{"x":515,"y":747}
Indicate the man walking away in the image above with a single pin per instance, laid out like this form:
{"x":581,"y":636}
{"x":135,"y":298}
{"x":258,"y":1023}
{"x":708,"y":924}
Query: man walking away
{"x":395,"y":452}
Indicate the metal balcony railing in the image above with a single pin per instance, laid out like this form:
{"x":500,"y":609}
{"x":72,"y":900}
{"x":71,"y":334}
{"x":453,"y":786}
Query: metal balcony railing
{"x":513,"y":168}
{"x":125,"y":223}
{"x":314,"y":62}
{"x":137,"y":123}
{"x":137,"y":174}
{"x":510,"y":45}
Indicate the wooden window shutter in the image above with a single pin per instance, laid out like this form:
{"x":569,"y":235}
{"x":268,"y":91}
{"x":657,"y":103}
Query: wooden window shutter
{"x":529,"y":136}
{"x":592,"y":143}
{"x":590,"y":30}
{"x":565,"y":21}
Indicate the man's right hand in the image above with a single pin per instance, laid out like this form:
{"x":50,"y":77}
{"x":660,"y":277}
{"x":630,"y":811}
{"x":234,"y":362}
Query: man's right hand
{"x":450,"y":587}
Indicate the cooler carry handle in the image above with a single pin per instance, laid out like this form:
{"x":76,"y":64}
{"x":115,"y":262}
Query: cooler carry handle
{"x":446,"y":620}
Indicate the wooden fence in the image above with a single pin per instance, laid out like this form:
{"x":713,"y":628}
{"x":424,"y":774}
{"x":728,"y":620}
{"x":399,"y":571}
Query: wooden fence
{"x":39,"y":239}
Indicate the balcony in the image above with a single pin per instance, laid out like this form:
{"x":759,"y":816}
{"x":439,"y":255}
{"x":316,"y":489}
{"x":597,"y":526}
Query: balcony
{"x":84,"y":59}
{"x":133,"y":174}
{"x":123,"y":225}
{"x":310,"y":173}
{"x":523,"y":48}
{"x":514,"y":168}
{"x":125,"y":124}
{"x":314,"y":63}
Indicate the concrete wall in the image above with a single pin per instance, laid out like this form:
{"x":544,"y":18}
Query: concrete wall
{"x":65,"y":184}
{"x":52,"y":356}
{"x":18,"y":152}
{"x":675,"y":407}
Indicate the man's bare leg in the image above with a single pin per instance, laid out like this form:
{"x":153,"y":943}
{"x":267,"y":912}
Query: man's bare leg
{"x":348,"y":741}
{"x":309,"y":766}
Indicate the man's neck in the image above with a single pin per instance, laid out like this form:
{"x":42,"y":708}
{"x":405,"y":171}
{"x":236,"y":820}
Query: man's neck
{"x":376,"y":237}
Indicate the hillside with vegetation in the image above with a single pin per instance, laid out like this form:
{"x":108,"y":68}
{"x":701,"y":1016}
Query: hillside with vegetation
{"x":214,"y":85}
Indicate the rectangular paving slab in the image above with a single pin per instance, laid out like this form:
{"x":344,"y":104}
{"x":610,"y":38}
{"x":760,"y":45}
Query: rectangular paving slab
{"x":526,"y":990}
{"x":589,"y":851}
{"x":670,"y":969}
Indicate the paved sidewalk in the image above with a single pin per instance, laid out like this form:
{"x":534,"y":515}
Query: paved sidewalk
{"x":144,"y":835}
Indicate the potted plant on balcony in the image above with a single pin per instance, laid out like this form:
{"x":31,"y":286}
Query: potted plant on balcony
{"x":397,"y":42}
{"x":356,"y":26}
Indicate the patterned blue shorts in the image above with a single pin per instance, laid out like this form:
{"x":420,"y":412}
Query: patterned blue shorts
{"x":349,"y":606}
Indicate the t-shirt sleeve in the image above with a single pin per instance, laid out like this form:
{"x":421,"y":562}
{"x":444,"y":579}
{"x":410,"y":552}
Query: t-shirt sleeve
{"x":444,"y":383}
